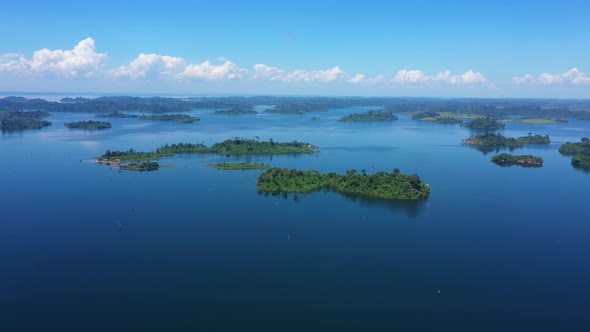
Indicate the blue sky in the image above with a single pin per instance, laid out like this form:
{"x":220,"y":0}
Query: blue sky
{"x":396,"y":48}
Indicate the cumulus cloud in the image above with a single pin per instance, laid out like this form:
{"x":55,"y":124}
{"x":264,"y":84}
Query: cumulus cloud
{"x":150,"y":66}
{"x":81,"y":61}
{"x":418,"y":76}
{"x":573,"y":76}
{"x":209,"y":71}
{"x":262,"y":71}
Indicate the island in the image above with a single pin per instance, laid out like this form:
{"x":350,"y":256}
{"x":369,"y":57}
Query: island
{"x":384,"y":185}
{"x":499,"y":140}
{"x":580,"y":152}
{"x":315,"y":118}
{"x":371,"y":115}
{"x":235,"y":146}
{"x":484,"y":123}
{"x":447,"y":120}
{"x":505,"y":159}
{"x":116,"y":115}
{"x":88,"y":125}
{"x":144,"y":166}
{"x":237,"y":111}
{"x":238,"y":166}
{"x":180,"y":118}
{"x":22,"y":120}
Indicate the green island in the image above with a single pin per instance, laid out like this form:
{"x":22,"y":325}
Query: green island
{"x":580,"y":152}
{"x":117,"y":115}
{"x":315,"y":118}
{"x":21,"y":120}
{"x":144,"y":166}
{"x":505,"y":159}
{"x":88,"y":125}
{"x":238,"y":166}
{"x":485,"y":123}
{"x":436,"y":117}
{"x":180,"y":118}
{"x":235,"y":146}
{"x":371,"y":115}
{"x":394,"y":185}
{"x":499,"y":140}
{"x":237,"y":111}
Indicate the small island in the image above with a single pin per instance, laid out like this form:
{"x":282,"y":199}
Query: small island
{"x":580,"y":152}
{"x":22,"y":120}
{"x":447,"y":120}
{"x":371,"y":115}
{"x":499,"y":140}
{"x":88,"y":125}
{"x":238,"y":166}
{"x":180,"y":118}
{"x":236,"y":146}
{"x":237,"y":111}
{"x":487,"y":123}
{"x":505,"y":159}
{"x":393,"y":186}
{"x":117,"y":115}
{"x":144,"y":166}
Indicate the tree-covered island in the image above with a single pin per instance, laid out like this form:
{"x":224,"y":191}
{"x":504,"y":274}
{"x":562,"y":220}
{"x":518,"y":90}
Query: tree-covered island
{"x":394,"y":185}
{"x":238,"y":166}
{"x":372,"y":115}
{"x":235,"y":146}
{"x":484,"y":123}
{"x":499,"y":140}
{"x":88,"y":125}
{"x":21,"y":120}
{"x":505,"y":159}
{"x":144,"y":166}
{"x":117,"y":115}
{"x":237,"y":111}
{"x":180,"y":118}
{"x":436,"y":117}
{"x":580,"y":152}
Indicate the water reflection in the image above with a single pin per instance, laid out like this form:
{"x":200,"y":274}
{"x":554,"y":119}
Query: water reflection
{"x":411,"y":208}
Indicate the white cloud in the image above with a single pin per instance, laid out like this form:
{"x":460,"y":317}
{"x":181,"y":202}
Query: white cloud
{"x":357,"y":79}
{"x":470,"y":77}
{"x":209,"y":71}
{"x":150,"y":66}
{"x":262,"y":71}
{"x":411,"y":76}
{"x":573,"y":76}
{"x":81,"y":61}
{"x":306,"y":76}
{"x":418,"y":76}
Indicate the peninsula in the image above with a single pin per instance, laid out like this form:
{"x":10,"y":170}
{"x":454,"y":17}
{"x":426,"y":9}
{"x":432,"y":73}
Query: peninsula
{"x":394,"y":185}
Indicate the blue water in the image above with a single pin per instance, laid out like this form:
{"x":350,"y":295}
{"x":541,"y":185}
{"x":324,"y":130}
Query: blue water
{"x":201,"y":250}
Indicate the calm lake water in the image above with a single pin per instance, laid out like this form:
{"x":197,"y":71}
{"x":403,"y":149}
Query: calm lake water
{"x":492,"y":249}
